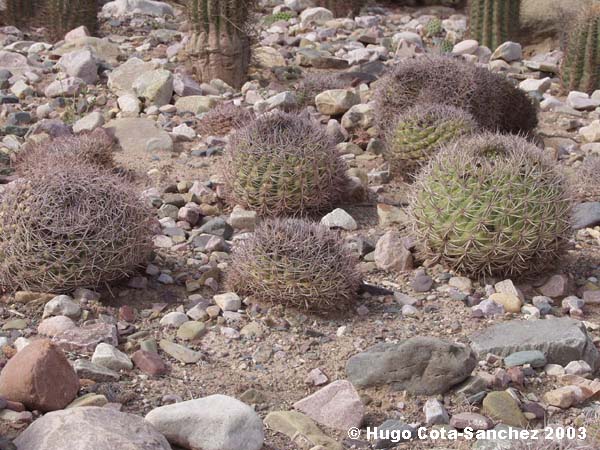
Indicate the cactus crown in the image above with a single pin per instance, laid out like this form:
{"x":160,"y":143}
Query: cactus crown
{"x":493,"y":22}
{"x":296,"y":263}
{"x":581,"y":64}
{"x":492,"y":205}
{"x":283,"y":164}
{"x":417,"y":134}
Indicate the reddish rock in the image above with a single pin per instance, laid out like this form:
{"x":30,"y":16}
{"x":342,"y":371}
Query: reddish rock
{"x":556,"y":286}
{"x":87,"y":337}
{"x":149,"y":363}
{"x":337,"y":406}
{"x":40,"y":377}
{"x":127,"y":313}
{"x":55,"y":326}
{"x":472,"y":420}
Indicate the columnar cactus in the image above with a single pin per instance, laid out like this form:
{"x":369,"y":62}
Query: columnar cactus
{"x":421,"y":131}
{"x":493,"y":22}
{"x":283,"y":165}
{"x":219,"y":45}
{"x":19,"y":12}
{"x":296,"y":263}
{"x":492,"y":204}
{"x":581,"y":64}
{"x":61,"y":16}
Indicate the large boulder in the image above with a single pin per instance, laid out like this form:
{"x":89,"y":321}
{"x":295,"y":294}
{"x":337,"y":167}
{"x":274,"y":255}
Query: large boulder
{"x":136,"y":135}
{"x":216,"y":422}
{"x":91,"y":428}
{"x":420,"y":365}
{"x":560,"y":340}
{"x":121,"y":8}
{"x":40,"y":377}
{"x":121,"y":79}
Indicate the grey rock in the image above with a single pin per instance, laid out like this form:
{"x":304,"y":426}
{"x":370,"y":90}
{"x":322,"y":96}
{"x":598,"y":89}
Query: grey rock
{"x":121,"y":8}
{"x":91,"y":428}
{"x":216,"y":422}
{"x":586,"y":215}
{"x":155,"y":87}
{"x":80,"y":64}
{"x":139,"y":135}
{"x":420,"y":365}
{"x":106,"y":355}
{"x":88,"y":370}
{"x":120,"y":80}
{"x":338,"y":218}
{"x":560,"y":340}
{"x":533,"y":357}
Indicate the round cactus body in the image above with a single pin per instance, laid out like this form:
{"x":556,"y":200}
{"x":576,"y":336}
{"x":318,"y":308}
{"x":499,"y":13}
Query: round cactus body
{"x":296,"y":263}
{"x":283,"y":164}
{"x":422,"y":131}
{"x":492,"y":205}
{"x":491,"y":99}
{"x":67,"y":227}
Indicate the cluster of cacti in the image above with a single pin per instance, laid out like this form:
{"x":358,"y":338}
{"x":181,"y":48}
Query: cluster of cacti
{"x":491,"y":99}
{"x":342,"y":8}
{"x":56,"y":16}
{"x":71,"y":225}
{"x":492,"y":205}
{"x":580,"y":70}
{"x":283,"y":164}
{"x":493,"y":22}
{"x":225,"y":117}
{"x":95,"y":148}
{"x":220,"y":44}
{"x":416,"y":135}
{"x":295,"y":263}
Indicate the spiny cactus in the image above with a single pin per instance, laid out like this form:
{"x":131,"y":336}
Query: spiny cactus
{"x":225,"y":117}
{"x":220,"y":45}
{"x":581,"y":64}
{"x":61,"y":16}
{"x":19,"y":12}
{"x":434,"y":27}
{"x":95,"y":148}
{"x":586,"y":180}
{"x":490,"y":98}
{"x":493,"y":22}
{"x":283,"y":164}
{"x":342,"y":8}
{"x":70,"y":226}
{"x":492,"y":205}
{"x":296,"y":263}
{"x":420,"y":132}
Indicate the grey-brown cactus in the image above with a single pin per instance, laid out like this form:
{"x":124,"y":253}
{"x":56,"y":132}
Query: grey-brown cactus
{"x":219,"y":46}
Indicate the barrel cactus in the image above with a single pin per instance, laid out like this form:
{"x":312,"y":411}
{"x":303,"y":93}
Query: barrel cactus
{"x":492,"y":205}
{"x":64,"y":227}
{"x":581,"y":64}
{"x":95,"y":148}
{"x":283,"y":164}
{"x":490,"y":98}
{"x":220,"y":45}
{"x":296,"y":263}
{"x":493,"y":22}
{"x":224,"y":118}
{"x":420,"y":132}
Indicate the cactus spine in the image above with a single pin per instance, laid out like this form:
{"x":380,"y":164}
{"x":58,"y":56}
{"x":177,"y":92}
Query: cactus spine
{"x":493,"y":22}
{"x":581,"y":65}
{"x":220,"y":45}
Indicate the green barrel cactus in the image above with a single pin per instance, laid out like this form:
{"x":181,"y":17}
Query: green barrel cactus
{"x":493,"y":22}
{"x":283,"y":165}
{"x":297,"y":263}
{"x":492,"y":205}
{"x":434,"y":27}
{"x":420,"y":132}
{"x":219,"y":46}
{"x":580,"y":70}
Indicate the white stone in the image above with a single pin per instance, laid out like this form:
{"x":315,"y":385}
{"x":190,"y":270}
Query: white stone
{"x":508,"y":51}
{"x":89,"y":122}
{"x":62,"y":305}
{"x":228,"y":301}
{"x":338,"y":218}
{"x":106,"y":355}
{"x":313,"y":16}
{"x":533,"y":85}
{"x":468,"y":47}
{"x":120,"y":8}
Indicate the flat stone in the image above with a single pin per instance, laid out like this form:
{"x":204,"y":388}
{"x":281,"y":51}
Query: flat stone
{"x":560,"y":340}
{"x":420,"y":365}
{"x":179,"y":352}
{"x":149,"y":363}
{"x":535,"y":358}
{"x":472,"y":420}
{"x":91,"y":428}
{"x":90,"y":371}
{"x":337,"y":405}
{"x":106,"y":355}
{"x":501,"y":406}
{"x":40,"y":377}
{"x":586,"y":215}
{"x":90,"y":399}
{"x":139,"y":135}
{"x":190,"y":331}
{"x":216,"y":422}
{"x":196,"y":104}
{"x":300,"y":428}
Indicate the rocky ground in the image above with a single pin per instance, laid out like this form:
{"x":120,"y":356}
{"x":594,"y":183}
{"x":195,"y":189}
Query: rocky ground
{"x":174,"y":334}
